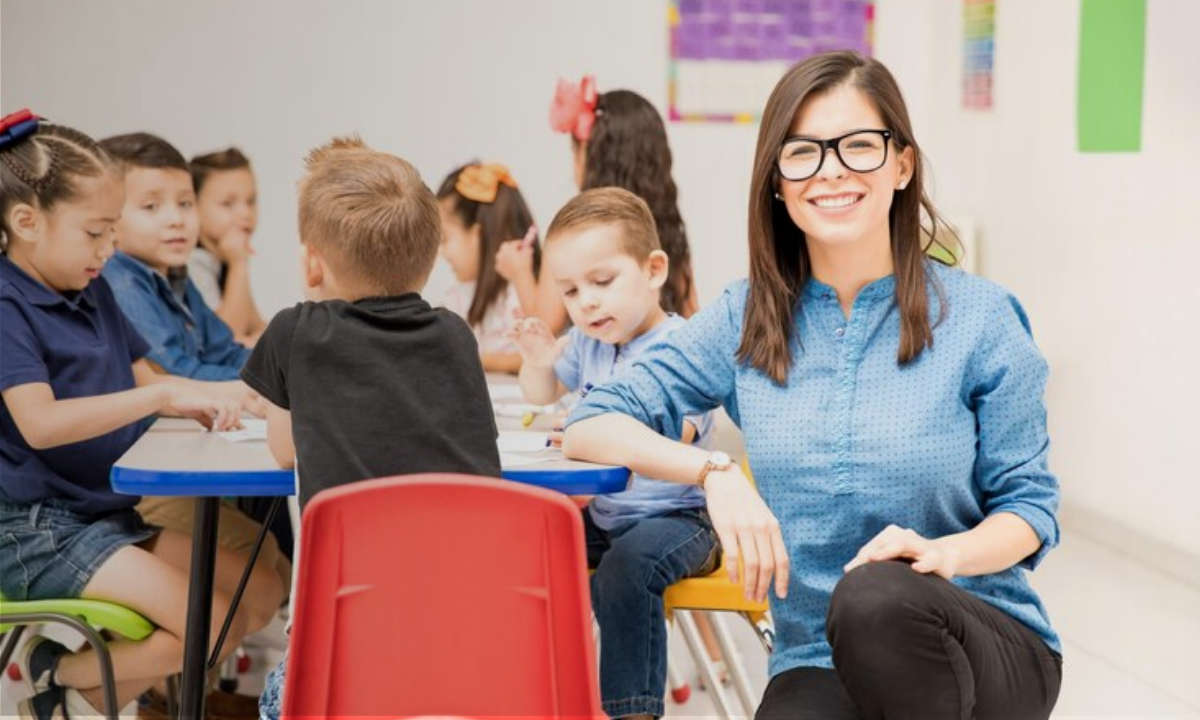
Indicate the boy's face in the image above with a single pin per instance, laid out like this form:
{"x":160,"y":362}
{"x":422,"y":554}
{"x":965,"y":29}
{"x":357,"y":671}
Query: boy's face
{"x":158,"y":225}
{"x":609,"y":295}
{"x":460,"y":244}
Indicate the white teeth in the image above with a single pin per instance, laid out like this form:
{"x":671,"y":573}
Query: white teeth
{"x":835,"y":202}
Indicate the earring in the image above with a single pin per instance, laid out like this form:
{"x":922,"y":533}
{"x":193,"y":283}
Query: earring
{"x":778,"y":196}
{"x":902,"y":185}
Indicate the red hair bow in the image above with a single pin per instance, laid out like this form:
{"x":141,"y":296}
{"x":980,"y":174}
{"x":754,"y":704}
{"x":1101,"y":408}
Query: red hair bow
{"x":574,"y":108}
{"x":15,"y":126}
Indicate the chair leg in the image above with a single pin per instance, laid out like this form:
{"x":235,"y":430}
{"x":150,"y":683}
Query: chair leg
{"x":11,"y":638}
{"x":173,"y":696}
{"x":691,"y":635}
{"x":679,"y":687}
{"x":93,"y":638}
{"x":733,"y":661}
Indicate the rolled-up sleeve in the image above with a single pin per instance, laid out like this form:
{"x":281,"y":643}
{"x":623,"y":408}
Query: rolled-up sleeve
{"x":689,"y":372}
{"x":1011,"y":467}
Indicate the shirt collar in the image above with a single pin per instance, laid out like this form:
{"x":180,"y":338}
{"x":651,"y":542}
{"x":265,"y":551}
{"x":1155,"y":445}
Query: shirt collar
{"x":884,"y":286}
{"x":39,"y":294}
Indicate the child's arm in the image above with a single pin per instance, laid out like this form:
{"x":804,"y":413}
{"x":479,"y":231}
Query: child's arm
{"x":279,"y":435}
{"x":46,"y":422}
{"x":508,"y":363}
{"x":237,"y":308}
{"x":539,"y":349}
{"x":144,"y":374}
{"x":514,"y":263}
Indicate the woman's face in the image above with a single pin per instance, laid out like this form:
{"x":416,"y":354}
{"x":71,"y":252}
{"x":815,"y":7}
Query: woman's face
{"x":837,"y":206}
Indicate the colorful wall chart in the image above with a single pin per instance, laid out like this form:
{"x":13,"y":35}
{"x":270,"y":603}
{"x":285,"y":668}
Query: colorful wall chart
{"x":979,"y":53}
{"x":727,"y":55}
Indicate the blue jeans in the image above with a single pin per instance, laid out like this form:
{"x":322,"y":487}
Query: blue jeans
{"x":270,"y":702}
{"x":634,"y":566}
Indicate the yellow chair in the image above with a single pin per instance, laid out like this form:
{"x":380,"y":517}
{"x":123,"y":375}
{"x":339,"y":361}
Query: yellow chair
{"x":712,"y":594}
{"x":85,"y":617}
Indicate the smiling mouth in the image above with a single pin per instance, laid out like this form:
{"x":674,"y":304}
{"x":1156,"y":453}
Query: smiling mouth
{"x":836,"y":202}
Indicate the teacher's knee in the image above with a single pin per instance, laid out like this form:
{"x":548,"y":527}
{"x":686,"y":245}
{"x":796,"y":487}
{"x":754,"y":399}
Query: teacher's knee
{"x":873,"y":601}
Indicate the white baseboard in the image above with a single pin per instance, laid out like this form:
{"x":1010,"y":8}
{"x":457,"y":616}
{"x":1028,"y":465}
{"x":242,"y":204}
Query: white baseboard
{"x":1112,"y":533}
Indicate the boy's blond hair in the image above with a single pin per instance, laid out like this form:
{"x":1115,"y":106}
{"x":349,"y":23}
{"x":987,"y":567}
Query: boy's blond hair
{"x":370,"y":216}
{"x":614,"y":207}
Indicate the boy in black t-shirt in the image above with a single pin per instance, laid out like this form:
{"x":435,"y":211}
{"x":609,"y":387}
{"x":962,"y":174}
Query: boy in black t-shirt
{"x":367,"y":380}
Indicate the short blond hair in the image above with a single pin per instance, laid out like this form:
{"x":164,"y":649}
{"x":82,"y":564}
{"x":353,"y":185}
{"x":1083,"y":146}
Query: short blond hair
{"x":610,"y":206}
{"x":370,"y":216}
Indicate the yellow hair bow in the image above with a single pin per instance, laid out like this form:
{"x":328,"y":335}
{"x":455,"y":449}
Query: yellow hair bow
{"x":481,"y":182}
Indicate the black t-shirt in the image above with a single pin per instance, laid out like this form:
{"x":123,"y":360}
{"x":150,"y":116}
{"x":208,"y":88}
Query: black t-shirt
{"x":378,"y":387}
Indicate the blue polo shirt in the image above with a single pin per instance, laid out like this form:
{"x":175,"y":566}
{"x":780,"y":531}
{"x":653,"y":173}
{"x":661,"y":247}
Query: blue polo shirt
{"x":81,"y":345}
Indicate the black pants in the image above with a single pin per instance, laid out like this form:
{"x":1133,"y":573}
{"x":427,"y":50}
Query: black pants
{"x":911,"y":646}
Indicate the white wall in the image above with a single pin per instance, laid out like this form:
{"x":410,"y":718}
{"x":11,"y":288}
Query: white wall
{"x":1101,"y":248}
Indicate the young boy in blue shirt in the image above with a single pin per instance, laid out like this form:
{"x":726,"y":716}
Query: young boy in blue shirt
{"x":156,"y":234}
{"x":602,"y":252}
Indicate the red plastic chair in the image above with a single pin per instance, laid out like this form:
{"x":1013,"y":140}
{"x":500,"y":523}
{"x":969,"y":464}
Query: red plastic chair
{"x":437,"y":595}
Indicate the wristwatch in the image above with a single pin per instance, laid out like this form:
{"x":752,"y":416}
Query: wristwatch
{"x":716,"y":461}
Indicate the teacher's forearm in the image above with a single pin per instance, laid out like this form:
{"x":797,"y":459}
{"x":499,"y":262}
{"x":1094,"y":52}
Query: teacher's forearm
{"x":996,"y":544}
{"x":617,"y":439}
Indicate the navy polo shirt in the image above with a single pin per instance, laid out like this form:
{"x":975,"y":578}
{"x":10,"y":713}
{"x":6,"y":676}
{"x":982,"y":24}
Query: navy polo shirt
{"x":81,"y":345}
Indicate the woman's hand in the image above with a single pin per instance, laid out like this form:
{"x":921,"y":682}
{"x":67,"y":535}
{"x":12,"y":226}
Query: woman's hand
{"x":514,"y":258}
{"x":749,"y":534}
{"x":897,"y":543}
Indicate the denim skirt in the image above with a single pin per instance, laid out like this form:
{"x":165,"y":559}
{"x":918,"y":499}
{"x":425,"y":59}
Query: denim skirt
{"x":50,"y":552}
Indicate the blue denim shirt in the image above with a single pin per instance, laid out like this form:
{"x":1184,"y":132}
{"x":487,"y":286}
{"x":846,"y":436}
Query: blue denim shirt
{"x":186,"y":337}
{"x":853,"y":442}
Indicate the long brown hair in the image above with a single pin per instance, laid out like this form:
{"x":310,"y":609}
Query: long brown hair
{"x":628,"y":149}
{"x":779,"y":262}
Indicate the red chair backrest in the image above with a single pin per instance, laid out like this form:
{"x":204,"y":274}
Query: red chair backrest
{"x":441,"y":595}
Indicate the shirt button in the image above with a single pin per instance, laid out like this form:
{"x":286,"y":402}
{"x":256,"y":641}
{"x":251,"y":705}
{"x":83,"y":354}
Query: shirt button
{"x":840,"y":332}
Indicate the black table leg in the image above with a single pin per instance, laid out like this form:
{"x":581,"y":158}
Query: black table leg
{"x":199,"y":611}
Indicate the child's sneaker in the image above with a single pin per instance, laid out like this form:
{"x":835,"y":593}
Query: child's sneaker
{"x":39,"y":659}
{"x":49,"y":704}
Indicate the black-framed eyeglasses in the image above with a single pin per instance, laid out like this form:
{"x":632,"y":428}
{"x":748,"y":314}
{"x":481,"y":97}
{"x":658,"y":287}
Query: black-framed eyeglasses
{"x":861,"y":151}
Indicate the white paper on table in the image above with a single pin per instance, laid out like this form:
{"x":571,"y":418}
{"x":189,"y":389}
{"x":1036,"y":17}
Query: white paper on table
{"x":252,"y":429}
{"x":505,"y":392}
{"x":509,"y":460}
{"x":516,"y":441}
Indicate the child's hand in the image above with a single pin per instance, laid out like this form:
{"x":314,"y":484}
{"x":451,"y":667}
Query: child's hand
{"x":212,"y":411}
{"x":235,"y":246}
{"x":538,"y":346}
{"x":514,"y":258}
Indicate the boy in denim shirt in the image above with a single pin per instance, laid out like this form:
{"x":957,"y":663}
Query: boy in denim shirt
{"x":157,"y":232}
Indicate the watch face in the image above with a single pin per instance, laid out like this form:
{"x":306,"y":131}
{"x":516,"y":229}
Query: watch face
{"x":720,"y":459}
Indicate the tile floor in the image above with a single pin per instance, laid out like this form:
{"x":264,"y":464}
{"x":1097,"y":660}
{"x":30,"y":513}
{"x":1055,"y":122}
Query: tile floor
{"x":1131,"y":634}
